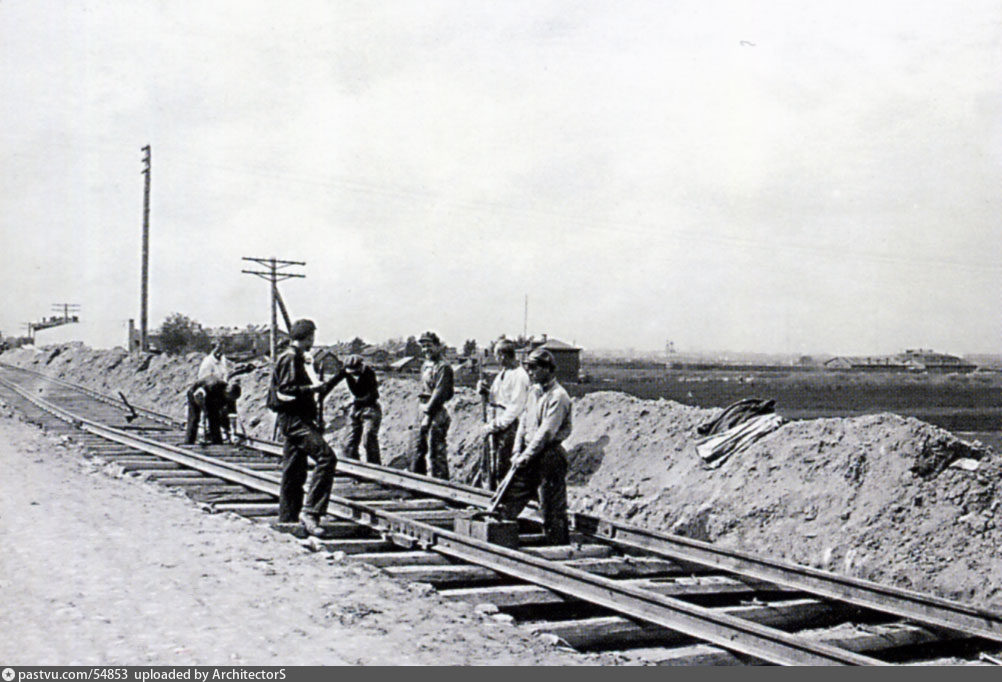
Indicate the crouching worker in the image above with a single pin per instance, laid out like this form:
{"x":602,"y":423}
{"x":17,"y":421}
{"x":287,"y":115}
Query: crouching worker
{"x":206,"y":397}
{"x":539,"y":460}
{"x":229,"y":416}
{"x":293,"y":397}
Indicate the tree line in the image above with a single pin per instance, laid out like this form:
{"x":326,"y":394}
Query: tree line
{"x":179,"y":334}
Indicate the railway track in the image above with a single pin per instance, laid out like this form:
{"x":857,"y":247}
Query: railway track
{"x":648,"y":596}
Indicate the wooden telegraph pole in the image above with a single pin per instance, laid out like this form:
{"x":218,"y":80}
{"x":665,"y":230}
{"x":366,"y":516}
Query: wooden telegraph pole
{"x":66,"y":309}
{"x":272,"y":274}
{"x":144,"y":296}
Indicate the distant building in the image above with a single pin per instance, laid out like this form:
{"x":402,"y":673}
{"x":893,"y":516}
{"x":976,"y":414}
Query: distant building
{"x":376,"y":357}
{"x":875,"y":363}
{"x":909,"y":361}
{"x":566,"y":357}
{"x":410,"y":364}
{"x":941,"y":363}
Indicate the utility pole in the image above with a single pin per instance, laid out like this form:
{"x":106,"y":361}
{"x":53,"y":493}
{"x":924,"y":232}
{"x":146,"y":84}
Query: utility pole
{"x":144,"y":302}
{"x":525,"y":318}
{"x":66,"y":309}
{"x":272,"y":274}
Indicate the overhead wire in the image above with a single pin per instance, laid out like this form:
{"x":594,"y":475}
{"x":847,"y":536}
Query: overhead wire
{"x":562,"y":222}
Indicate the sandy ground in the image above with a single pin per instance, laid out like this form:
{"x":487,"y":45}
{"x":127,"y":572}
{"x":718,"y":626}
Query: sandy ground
{"x":100,"y":570}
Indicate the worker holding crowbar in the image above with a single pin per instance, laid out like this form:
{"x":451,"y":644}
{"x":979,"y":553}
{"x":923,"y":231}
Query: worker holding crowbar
{"x":539,"y":463}
{"x":508,"y":393}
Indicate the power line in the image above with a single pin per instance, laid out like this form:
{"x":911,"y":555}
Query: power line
{"x":66,"y":309}
{"x":274,"y":275}
{"x":564,"y":222}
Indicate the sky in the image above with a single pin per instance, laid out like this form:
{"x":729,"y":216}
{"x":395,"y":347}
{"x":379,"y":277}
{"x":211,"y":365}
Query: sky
{"x":771,"y":176}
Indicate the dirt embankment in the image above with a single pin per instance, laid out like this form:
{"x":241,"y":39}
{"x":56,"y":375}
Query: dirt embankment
{"x":870,"y":496}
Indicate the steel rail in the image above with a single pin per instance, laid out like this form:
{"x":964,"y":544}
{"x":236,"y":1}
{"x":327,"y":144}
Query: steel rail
{"x":730,"y":632}
{"x":456,"y":492}
{"x":914,"y":606}
{"x":247,"y":477}
{"x":733,"y":633}
{"x":97,"y":395}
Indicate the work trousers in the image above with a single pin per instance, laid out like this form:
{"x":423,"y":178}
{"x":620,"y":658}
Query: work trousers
{"x":544,"y":478}
{"x":432,"y":453}
{"x":364,"y":429}
{"x":303,"y":441}
{"x":212,"y":406}
{"x":497,"y":456}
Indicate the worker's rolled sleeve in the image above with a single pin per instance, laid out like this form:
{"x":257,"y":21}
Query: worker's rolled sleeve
{"x":443,"y":390}
{"x":547,"y":421}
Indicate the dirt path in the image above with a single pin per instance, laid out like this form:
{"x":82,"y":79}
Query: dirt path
{"x":98,"y":570}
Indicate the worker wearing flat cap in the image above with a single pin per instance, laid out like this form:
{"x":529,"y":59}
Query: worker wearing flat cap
{"x":365,"y":414}
{"x":437,"y":388}
{"x":293,"y":396}
{"x":539,"y":460}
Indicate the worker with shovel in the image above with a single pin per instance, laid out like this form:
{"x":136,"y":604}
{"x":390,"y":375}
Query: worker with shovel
{"x":507,"y":393}
{"x":539,"y":464}
{"x":437,"y":388}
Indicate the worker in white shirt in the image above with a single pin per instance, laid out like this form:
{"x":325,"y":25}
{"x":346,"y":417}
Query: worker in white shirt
{"x":207,"y":397}
{"x":506,"y":397}
{"x":215,"y":364}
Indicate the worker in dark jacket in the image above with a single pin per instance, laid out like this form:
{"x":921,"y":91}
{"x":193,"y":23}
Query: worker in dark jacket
{"x":214,"y":397}
{"x":228,"y":411}
{"x":437,"y":388}
{"x":206,"y":397}
{"x":366,"y":413}
{"x":539,"y":459}
{"x":293,"y":396}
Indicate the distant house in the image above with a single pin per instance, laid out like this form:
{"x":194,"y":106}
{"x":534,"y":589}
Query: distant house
{"x":566,"y":357}
{"x":410,"y":364}
{"x":376,"y":357}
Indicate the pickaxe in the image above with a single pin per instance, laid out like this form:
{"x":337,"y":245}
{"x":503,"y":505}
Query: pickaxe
{"x":132,"y":416}
{"x":502,"y":489}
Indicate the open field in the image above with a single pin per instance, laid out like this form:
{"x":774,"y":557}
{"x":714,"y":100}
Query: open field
{"x":963,"y":403}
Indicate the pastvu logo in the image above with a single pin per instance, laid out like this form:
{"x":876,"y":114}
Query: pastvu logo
{"x":8,"y":674}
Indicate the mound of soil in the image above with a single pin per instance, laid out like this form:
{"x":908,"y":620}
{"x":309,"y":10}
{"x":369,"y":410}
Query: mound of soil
{"x":873,"y":496}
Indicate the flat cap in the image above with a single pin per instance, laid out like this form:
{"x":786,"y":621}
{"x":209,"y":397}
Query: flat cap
{"x":430,"y":337}
{"x":301,"y":329}
{"x":541,"y":358}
